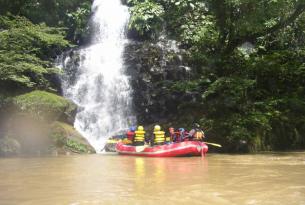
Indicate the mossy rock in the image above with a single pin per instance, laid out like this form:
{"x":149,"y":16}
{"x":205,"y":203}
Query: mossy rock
{"x":9,"y":146}
{"x":28,"y":136}
{"x":46,"y":106}
{"x":4,"y":101}
{"x":67,"y":139}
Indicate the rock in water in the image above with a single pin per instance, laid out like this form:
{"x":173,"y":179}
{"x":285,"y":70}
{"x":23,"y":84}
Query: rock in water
{"x":66,"y":139}
{"x":9,"y":146}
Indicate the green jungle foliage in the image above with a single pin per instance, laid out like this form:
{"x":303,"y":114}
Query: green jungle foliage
{"x":147,"y":18}
{"x":44,"y":106}
{"x":71,"y":14}
{"x":26,"y":53}
{"x":250,"y":58}
{"x":32,"y":34}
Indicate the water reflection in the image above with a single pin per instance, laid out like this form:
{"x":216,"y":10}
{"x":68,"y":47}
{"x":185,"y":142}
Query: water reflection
{"x":139,"y":167}
{"x":153,"y":173}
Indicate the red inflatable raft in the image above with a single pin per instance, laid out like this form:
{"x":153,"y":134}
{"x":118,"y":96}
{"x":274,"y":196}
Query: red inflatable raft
{"x":180,"y":149}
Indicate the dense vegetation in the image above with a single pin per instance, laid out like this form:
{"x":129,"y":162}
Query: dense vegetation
{"x":32,"y":34}
{"x":71,"y":15}
{"x":249,"y":58}
{"x":26,"y":51}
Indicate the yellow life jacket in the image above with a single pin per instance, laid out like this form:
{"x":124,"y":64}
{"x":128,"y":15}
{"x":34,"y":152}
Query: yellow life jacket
{"x":159,"y":136}
{"x":139,"y":136}
{"x":126,"y":141}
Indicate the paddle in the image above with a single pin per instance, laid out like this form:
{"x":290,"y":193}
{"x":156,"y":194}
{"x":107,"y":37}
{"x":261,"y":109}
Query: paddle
{"x":214,"y":144}
{"x":112,"y":141}
{"x":141,"y":148}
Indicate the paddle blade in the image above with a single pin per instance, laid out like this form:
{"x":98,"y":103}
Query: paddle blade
{"x":213,"y":144}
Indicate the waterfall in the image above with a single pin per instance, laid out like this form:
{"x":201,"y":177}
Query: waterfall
{"x":97,"y":83}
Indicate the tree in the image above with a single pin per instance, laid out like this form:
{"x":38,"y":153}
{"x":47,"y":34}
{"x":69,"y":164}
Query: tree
{"x":25,"y":54}
{"x":72,"y":14}
{"x":249,"y":58}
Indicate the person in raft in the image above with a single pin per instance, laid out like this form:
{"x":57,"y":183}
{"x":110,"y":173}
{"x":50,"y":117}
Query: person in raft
{"x":158,"y":136}
{"x":183,"y":134}
{"x":139,"y":137}
{"x":173,"y":135}
{"x":130,"y":134}
{"x":196,"y":133}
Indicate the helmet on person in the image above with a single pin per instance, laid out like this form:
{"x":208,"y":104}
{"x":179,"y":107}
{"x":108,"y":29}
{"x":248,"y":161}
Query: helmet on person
{"x":132,"y":128}
{"x":196,"y":125}
{"x":157,"y":128}
{"x":140,"y":128}
{"x":181,"y":129}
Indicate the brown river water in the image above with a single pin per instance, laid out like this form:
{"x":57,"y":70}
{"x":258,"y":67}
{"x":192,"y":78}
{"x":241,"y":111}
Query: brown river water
{"x":277,"y":178}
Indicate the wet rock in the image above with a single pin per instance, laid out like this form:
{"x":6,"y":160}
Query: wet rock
{"x":31,"y":134}
{"x":124,"y":2}
{"x":28,"y":136}
{"x":36,"y":123}
{"x":66,"y":139}
{"x":9,"y":146}
{"x":154,"y":67}
{"x":70,"y":60}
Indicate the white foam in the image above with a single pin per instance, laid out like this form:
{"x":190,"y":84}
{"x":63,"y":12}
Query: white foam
{"x":102,"y":89}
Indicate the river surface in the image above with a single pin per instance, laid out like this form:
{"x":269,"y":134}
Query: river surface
{"x":110,"y":179}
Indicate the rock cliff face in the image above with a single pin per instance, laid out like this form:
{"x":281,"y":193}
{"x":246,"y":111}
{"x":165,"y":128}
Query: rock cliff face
{"x":154,"y":68}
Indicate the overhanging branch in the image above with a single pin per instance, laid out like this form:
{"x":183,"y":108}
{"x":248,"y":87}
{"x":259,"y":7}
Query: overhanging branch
{"x":280,"y":25}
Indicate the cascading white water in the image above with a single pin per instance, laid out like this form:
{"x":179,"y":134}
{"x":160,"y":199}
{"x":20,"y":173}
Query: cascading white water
{"x":101,"y":89}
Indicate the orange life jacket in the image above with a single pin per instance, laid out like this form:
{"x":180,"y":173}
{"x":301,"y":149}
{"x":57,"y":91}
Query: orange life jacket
{"x":199,"y":135}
